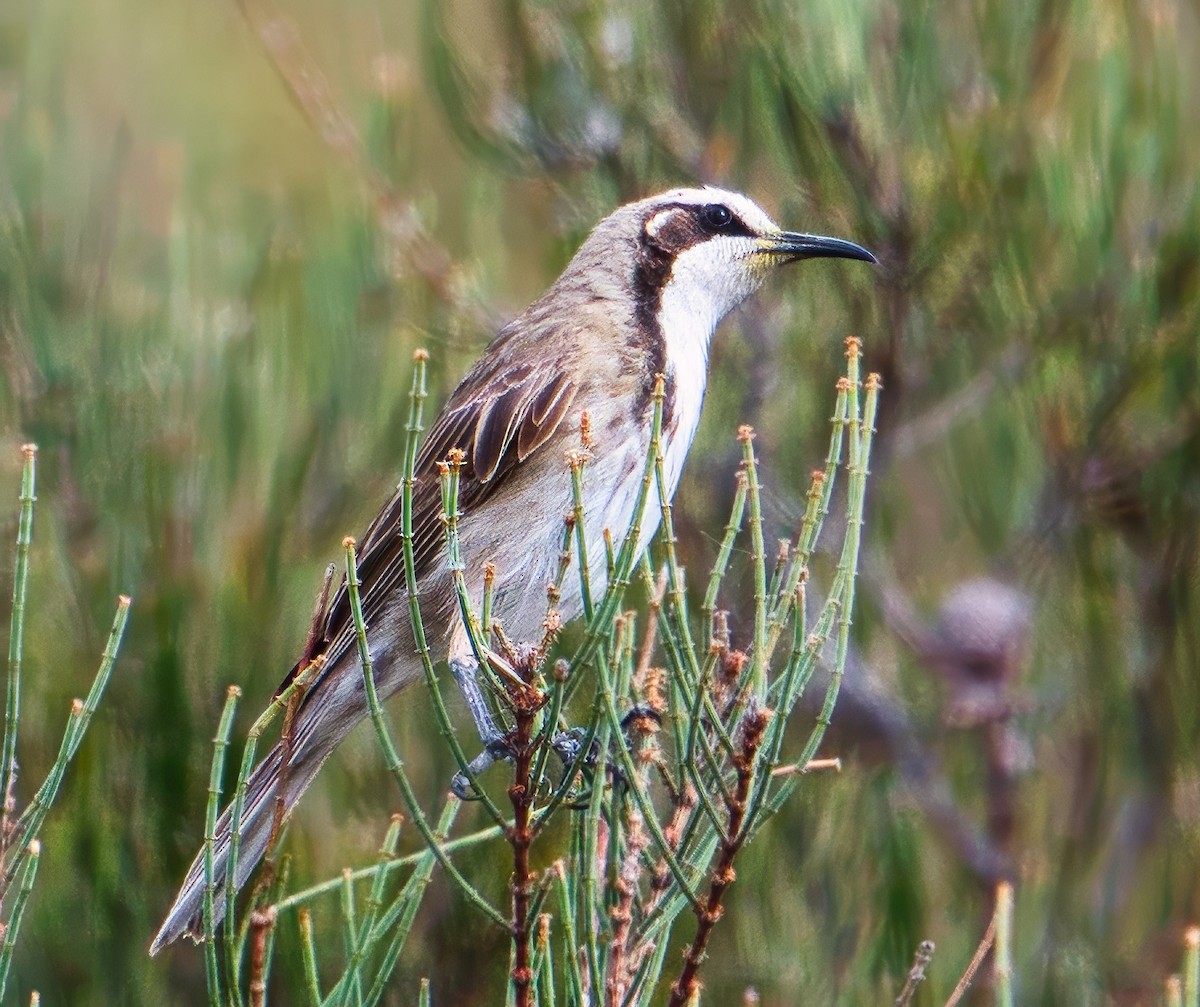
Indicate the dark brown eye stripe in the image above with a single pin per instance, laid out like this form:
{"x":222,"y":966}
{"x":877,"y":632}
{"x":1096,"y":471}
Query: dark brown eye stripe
{"x":690,"y":224}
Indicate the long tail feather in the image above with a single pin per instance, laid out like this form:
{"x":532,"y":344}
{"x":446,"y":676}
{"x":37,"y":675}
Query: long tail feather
{"x":258,"y":816}
{"x":331,"y":711}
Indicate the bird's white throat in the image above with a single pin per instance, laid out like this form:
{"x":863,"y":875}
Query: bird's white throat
{"x":701,"y":291}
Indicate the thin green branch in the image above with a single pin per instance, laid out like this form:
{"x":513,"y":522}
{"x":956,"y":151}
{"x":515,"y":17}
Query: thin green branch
{"x":30,"y":822}
{"x":308,"y":955}
{"x":676,"y":595}
{"x":404,"y":909}
{"x":758,"y":657}
{"x":622,"y":566}
{"x":16,"y":637}
{"x":298,"y":899}
{"x":417,"y":396}
{"x":721,"y":566}
{"x":236,"y":937}
{"x":578,"y":461}
{"x":1191,"y":967}
{"x":387,"y":853}
{"x":1004,"y":925}
{"x":212,"y":969}
{"x":642,"y":799}
{"x":17,"y":915}
{"x":351,"y":981}
{"x":816,"y":510}
{"x":567,"y":907}
{"x":392,"y":757}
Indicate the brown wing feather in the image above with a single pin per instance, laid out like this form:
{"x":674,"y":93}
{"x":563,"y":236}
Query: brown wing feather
{"x":545,"y":413}
{"x":498,"y":421}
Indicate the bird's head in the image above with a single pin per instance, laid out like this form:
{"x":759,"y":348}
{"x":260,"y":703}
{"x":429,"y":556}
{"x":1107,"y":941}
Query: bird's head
{"x":706,"y":250}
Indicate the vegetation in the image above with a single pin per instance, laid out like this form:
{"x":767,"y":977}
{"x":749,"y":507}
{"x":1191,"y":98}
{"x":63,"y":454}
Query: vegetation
{"x":676,"y":770}
{"x":223,"y":232}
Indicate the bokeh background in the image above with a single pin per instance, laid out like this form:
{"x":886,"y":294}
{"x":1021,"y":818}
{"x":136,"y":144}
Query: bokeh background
{"x":224,"y":227}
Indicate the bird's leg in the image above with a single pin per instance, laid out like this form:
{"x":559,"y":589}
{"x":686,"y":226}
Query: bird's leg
{"x":496,"y":745}
{"x":567,"y":744}
{"x":464,"y":670}
{"x":495,"y":742}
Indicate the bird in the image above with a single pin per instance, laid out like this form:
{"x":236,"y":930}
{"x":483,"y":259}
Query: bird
{"x":642,"y":297}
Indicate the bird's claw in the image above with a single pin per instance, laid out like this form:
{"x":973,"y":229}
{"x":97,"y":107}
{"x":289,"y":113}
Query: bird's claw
{"x":566,"y":745}
{"x":497,"y":749}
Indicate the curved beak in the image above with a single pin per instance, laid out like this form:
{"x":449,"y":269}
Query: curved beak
{"x":793,"y":246}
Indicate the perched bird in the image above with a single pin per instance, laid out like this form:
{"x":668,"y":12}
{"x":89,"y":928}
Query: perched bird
{"x":641,"y":297}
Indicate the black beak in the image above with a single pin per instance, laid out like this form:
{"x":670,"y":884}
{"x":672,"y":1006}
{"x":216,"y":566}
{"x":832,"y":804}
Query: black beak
{"x":794,"y":246}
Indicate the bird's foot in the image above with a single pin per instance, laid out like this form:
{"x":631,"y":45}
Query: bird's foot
{"x":498,"y":749}
{"x":566,"y":745}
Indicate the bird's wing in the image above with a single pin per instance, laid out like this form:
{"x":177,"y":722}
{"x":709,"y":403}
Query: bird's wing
{"x":498,"y":419}
{"x":497,"y":424}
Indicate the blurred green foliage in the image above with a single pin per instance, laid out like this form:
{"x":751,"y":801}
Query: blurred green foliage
{"x":224,"y":228}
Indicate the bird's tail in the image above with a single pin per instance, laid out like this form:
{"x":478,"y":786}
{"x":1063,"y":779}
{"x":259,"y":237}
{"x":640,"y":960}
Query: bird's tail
{"x":258,"y":819}
{"x":330,"y":711}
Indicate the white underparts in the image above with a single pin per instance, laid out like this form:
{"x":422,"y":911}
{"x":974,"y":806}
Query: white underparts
{"x":706,"y":283}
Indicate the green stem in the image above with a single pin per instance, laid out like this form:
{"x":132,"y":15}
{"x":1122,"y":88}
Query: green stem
{"x":32,"y":817}
{"x":817,"y":509}
{"x":16,"y":637}
{"x":721,"y":566}
{"x":1004,"y":966}
{"x":578,"y":460}
{"x":600,"y":624}
{"x":642,"y":799}
{"x":758,"y":658}
{"x":392,"y":757}
{"x":308,"y":955}
{"x":298,"y":899}
{"x":216,"y":771}
{"x":30,"y":823}
{"x":18,"y":912}
{"x":404,"y":910}
{"x":351,"y":981}
{"x":417,"y":397}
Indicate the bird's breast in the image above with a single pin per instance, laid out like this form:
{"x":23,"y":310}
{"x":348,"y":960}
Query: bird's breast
{"x":686,"y":334}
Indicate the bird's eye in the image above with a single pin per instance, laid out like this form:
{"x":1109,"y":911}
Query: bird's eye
{"x":715,"y":217}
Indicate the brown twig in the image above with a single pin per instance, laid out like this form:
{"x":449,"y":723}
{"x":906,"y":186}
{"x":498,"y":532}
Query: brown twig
{"x":968,"y":976}
{"x":685,"y":803}
{"x":524,"y":703}
{"x":261,"y":923}
{"x":302,"y":677}
{"x":619,"y":974}
{"x":753,"y":727}
{"x":316,"y":629}
{"x":646,"y":654}
{"x":916,"y":975}
{"x":625,"y":958}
